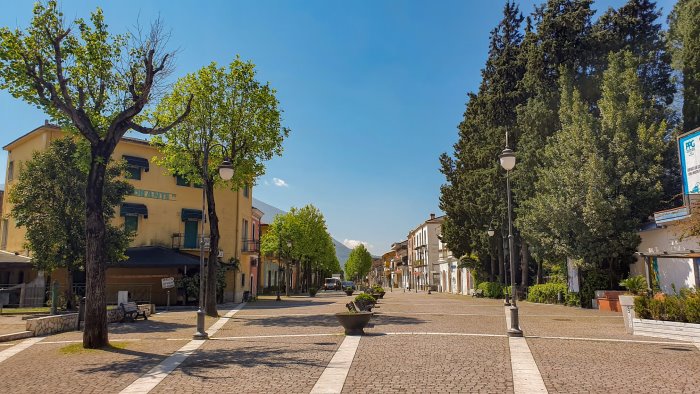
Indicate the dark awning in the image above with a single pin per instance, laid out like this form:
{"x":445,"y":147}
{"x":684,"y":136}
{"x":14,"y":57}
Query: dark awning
{"x":134,"y":161}
{"x":130,"y":209}
{"x":188,"y":214}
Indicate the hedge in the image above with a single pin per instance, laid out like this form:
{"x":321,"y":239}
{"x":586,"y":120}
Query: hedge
{"x":547,"y":293}
{"x":491,"y":289}
{"x":683,"y":308}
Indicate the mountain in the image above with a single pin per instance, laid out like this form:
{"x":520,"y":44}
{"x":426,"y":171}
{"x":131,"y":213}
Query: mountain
{"x":341,"y":251}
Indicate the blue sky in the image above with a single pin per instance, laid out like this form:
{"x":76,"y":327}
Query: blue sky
{"x":372,"y":91}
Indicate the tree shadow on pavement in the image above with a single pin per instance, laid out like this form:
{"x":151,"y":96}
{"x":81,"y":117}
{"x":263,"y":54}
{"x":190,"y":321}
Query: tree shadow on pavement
{"x":323,"y":321}
{"x":146,"y":326}
{"x":281,"y":305}
{"x":139,"y":362}
{"x":252,"y":356}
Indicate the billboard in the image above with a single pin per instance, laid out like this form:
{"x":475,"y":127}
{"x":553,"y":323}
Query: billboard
{"x":689,"y":151}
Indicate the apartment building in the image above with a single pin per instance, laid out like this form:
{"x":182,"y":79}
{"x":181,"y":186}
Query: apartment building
{"x":165,"y":212}
{"x":423,"y":248}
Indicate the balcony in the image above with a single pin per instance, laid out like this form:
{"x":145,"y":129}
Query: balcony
{"x":250,"y":245}
{"x":445,"y":254}
{"x":189,"y":242}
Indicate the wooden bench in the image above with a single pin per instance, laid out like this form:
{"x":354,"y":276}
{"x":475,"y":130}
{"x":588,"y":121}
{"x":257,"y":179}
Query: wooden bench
{"x":132,"y":311}
{"x":478,"y":293}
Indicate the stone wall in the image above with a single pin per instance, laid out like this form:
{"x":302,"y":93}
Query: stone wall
{"x":52,"y":324}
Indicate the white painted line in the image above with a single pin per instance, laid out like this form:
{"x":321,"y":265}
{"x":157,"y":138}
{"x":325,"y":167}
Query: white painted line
{"x":333,"y":377}
{"x":152,"y":378}
{"x":526,"y":375}
{"x":7,"y":353}
{"x":76,"y":341}
{"x":276,"y":336}
{"x":458,"y":334}
{"x":614,"y":340}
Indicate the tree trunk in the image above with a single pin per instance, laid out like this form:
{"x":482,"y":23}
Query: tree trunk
{"x":95,"y":333}
{"x":68,"y":293}
{"x":524,"y":264}
{"x":287,"y":280}
{"x":213,"y":262}
{"x":540,"y":274}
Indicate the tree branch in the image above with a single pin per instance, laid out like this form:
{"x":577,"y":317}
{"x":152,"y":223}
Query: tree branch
{"x":160,"y":130}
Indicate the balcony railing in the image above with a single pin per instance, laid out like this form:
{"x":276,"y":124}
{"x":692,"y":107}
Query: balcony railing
{"x":180,"y":241}
{"x":250,"y":245}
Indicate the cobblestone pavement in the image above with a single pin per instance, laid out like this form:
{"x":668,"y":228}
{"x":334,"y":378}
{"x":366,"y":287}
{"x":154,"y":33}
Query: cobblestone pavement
{"x":11,"y":324}
{"x":419,"y":343}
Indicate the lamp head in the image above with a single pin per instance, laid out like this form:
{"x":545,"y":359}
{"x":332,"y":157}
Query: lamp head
{"x":507,"y":159}
{"x":226,"y":170}
{"x":490,"y":232}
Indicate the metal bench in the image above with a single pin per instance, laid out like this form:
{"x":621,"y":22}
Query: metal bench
{"x":132,"y":312}
{"x":478,"y":293}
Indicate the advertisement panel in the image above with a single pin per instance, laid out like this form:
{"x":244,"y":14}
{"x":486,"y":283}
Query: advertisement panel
{"x":689,"y":152}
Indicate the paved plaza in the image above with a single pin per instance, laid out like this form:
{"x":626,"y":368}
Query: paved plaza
{"x":436,"y":343}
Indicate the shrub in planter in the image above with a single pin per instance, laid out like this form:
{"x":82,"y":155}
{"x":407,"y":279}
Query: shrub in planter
{"x":547,"y":293}
{"x":491,"y":289}
{"x":365,"y":298}
{"x":641,"y":307}
{"x":636,"y":285}
{"x":312,"y":291}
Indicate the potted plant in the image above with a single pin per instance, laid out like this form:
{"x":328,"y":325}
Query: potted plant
{"x":356,"y":319}
{"x":636,"y":286}
{"x":349,"y":290}
{"x":379,"y":291}
{"x":312,"y":291}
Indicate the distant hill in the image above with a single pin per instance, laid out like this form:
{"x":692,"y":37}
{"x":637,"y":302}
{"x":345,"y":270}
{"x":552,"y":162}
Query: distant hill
{"x":341,"y":251}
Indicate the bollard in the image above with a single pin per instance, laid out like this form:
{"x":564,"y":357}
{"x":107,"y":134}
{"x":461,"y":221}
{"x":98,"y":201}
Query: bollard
{"x":81,"y":312}
{"x":54,"y":297}
{"x":167,"y":306}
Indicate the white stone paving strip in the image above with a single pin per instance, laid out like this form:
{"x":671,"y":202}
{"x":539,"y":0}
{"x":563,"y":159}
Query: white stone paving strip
{"x":152,"y":378}
{"x":333,"y":377}
{"x":526,"y":375}
{"x":7,"y":353}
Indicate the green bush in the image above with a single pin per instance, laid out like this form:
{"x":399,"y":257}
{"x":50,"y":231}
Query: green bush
{"x":572,"y":299}
{"x":378,"y":289}
{"x":364,"y":297}
{"x":641,"y":307}
{"x":592,"y":280}
{"x":547,"y":293}
{"x":692,"y":309}
{"x":491,"y":289}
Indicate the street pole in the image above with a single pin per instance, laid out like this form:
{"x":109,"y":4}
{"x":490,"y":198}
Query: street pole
{"x":201,"y":334}
{"x":279,"y":260}
{"x":505,"y":272}
{"x":514,"y":330}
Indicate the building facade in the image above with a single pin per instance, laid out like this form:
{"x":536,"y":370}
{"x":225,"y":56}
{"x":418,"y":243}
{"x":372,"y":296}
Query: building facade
{"x":423,"y":247}
{"x":165,"y":213}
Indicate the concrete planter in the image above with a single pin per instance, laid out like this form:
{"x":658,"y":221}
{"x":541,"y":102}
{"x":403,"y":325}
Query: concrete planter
{"x":627,"y":306}
{"x":354,"y":323}
{"x":667,"y":329}
{"x":349,"y":292}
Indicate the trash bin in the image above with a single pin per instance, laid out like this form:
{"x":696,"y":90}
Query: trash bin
{"x":246,"y":296}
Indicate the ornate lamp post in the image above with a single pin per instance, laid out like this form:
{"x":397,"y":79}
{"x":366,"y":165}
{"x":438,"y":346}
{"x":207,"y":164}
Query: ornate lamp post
{"x":226,"y":173}
{"x":507,"y":159}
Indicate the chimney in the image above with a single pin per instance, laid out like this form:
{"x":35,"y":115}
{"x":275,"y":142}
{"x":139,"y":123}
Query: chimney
{"x":432,"y":216}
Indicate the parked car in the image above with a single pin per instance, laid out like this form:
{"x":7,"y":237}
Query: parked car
{"x":332,"y":284}
{"x":349,"y":283}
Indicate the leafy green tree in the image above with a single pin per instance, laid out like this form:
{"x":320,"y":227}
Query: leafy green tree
{"x":684,"y":43}
{"x":311,"y":245}
{"x":359,"y":263}
{"x":232,"y":117}
{"x":96,"y":84}
{"x":601,"y":175}
{"x":48,"y":199}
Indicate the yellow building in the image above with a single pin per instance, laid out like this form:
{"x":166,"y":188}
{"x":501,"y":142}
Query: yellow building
{"x":164,"y":210}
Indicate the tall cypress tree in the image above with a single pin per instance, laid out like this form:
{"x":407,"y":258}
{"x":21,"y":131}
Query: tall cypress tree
{"x":684,"y":40}
{"x":473,"y":196}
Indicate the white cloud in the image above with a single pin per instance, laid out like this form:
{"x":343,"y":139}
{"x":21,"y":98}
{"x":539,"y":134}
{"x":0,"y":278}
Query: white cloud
{"x":352,"y":243}
{"x":279,"y":182}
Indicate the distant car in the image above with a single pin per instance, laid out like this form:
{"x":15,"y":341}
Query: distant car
{"x":349,"y":284}
{"x":332,"y":284}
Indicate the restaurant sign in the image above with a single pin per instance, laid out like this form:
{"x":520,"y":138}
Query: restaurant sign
{"x":154,"y":194}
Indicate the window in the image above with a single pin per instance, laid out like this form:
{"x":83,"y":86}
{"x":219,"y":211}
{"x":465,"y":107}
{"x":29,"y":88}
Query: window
{"x":3,"y":241}
{"x":10,"y":170}
{"x":181,"y":181}
{"x":131,"y":223}
{"x":133,"y":173}
{"x":245,"y":191}
{"x":242,"y":280}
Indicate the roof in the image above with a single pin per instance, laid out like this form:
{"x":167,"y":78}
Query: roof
{"x":36,"y":130}
{"x":156,"y":256}
{"x":11,"y":260}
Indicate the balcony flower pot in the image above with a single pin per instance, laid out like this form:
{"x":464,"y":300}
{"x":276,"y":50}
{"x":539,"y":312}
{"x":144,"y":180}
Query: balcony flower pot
{"x":354,"y":323}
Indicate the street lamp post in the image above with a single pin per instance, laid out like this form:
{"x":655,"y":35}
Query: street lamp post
{"x":507,"y":159}
{"x":226,"y":173}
